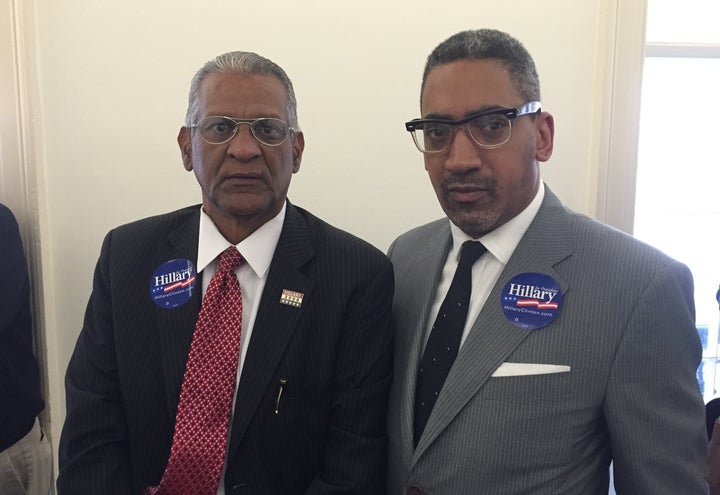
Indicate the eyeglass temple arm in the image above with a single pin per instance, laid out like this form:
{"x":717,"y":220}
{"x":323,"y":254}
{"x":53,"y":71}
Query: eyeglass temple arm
{"x":529,"y":107}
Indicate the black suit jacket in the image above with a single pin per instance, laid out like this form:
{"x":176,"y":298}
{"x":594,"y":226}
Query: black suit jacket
{"x":20,"y":398}
{"x":123,"y":381}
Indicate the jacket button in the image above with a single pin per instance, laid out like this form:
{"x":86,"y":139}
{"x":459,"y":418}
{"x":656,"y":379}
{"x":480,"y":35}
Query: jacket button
{"x":415,"y":490}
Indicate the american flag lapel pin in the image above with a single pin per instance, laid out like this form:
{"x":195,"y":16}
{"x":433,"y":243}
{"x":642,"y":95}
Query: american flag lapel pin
{"x":291,"y":298}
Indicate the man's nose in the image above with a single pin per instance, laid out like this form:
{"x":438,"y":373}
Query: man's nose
{"x":243,"y":144}
{"x":463,"y":154}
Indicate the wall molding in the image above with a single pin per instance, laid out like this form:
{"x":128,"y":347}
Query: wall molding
{"x":21,"y":184}
{"x":621,"y":114}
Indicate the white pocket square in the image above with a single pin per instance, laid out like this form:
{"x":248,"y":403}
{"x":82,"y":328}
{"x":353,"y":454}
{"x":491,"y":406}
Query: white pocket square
{"x":522,"y":369}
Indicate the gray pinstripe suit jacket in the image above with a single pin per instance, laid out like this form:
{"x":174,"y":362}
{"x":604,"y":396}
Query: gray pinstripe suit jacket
{"x":123,"y":381}
{"x":625,"y":329}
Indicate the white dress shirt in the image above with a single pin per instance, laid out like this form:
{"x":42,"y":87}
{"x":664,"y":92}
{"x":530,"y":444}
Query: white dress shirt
{"x":500,"y":244}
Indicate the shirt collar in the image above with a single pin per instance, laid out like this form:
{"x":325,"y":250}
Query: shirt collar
{"x":257,"y":249}
{"x":502,"y":241}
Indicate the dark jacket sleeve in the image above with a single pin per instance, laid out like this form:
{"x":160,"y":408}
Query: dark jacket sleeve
{"x":355,"y":456}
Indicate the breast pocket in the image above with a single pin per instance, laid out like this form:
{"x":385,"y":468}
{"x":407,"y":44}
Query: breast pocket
{"x":532,"y":388}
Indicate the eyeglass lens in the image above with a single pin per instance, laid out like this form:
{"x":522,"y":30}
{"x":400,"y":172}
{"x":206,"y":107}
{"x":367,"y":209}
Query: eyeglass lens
{"x":218,"y":130}
{"x":486,"y":130}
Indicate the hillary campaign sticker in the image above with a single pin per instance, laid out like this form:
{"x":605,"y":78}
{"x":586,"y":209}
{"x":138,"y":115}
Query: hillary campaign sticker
{"x":173,"y":283}
{"x":531,"y":300}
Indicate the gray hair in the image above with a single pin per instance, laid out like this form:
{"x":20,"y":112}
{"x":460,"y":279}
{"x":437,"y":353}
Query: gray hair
{"x":483,"y":44}
{"x":247,"y":63}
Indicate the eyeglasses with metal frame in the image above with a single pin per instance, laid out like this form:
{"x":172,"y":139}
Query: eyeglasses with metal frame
{"x":219,"y":129}
{"x":487,"y":129}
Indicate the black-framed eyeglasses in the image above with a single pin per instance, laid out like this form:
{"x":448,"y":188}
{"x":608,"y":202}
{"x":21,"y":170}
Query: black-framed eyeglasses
{"x":218,"y":129}
{"x":488,"y":129}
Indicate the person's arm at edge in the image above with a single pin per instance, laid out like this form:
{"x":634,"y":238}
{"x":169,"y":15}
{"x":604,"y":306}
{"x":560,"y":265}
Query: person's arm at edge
{"x":14,"y":282}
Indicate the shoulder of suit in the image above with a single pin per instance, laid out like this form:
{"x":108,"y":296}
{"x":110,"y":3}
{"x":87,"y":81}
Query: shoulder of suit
{"x":148,"y":233}
{"x":327,"y":236}
{"x":424,"y":232}
{"x":7,"y":219}
{"x":159,"y":222}
{"x":606,"y":241}
{"x":5,"y":213}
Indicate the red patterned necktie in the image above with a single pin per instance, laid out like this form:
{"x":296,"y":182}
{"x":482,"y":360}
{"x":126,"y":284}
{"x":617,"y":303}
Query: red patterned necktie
{"x":201,"y":424}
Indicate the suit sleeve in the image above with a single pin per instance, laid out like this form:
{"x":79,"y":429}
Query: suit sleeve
{"x":355,"y":457}
{"x":654,"y":409}
{"x":93,"y":451}
{"x":14,"y":282}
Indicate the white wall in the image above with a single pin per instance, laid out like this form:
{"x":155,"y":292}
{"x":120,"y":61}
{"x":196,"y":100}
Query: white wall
{"x":112,"y":78}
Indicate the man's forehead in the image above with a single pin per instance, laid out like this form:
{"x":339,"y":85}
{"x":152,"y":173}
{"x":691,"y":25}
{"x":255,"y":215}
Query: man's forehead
{"x":225,"y":89}
{"x":465,"y":86}
{"x":229,"y":81}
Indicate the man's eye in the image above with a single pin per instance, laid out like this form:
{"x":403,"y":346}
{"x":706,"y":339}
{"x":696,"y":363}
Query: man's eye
{"x":435,"y":132}
{"x":489,"y":125}
{"x":220,"y":128}
{"x":268,"y":130}
{"x":495,"y":124}
{"x":217,"y":127}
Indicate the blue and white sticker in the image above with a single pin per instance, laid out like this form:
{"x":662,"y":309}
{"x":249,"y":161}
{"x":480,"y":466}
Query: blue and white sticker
{"x":173,"y":283}
{"x":531,"y":300}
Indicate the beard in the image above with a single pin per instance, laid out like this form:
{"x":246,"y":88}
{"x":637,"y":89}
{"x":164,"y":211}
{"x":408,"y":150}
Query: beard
{"x":474,"y":217}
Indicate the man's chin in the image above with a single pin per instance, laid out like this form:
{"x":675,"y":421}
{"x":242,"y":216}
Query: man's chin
{"x":473,"y":223}
{"x":240,"y":206}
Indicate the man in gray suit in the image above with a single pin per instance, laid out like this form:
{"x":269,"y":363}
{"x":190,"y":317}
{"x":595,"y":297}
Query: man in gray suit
{"x":571,"y":345}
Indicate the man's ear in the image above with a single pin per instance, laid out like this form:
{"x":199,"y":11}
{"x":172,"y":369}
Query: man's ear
{"x":297,"y":150}
{"x":185,"y":142}
{"x":545,"y":133}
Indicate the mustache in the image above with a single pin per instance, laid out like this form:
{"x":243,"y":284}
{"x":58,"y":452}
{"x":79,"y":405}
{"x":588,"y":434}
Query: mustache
{"x":469,"y":179}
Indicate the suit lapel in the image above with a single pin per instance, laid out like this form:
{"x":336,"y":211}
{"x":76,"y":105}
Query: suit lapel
{"x":275,"y":323}
{"x":492,"y":337}
{"x":176,"y":326}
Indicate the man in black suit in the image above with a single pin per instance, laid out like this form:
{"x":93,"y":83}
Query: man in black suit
{"x":314,"y":363}
{"x":25,"y":454}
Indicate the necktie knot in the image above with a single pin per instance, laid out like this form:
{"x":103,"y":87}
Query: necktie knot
{"x":229,"y":259}
{"x":470,"y":252}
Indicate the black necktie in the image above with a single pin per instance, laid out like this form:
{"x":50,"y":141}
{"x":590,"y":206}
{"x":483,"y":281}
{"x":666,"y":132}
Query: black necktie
{"x":444,"y":341}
